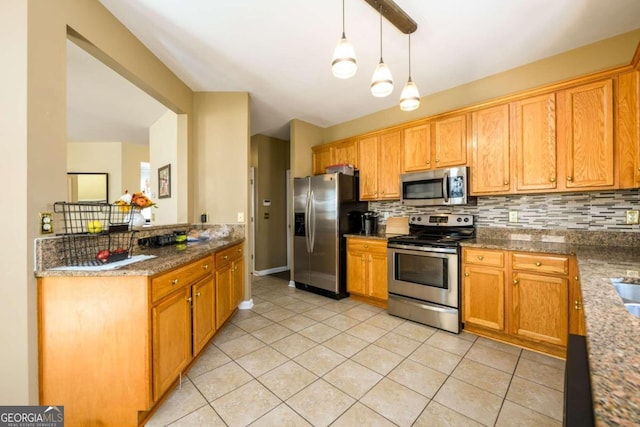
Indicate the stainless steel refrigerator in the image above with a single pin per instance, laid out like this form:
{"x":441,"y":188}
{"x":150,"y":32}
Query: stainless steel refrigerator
{"x":326,"y":207}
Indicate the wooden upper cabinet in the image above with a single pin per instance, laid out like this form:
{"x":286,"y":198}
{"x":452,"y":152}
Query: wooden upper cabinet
{"x":450,"y":141}
{"x":368,"y":149}
{"x":490,"y":172}
{"x":533,"y":135}
{"x":346,"y":152}
{"x":416,"y":148}
{"x":322,"y":156}
{"x":389,"y":165}
{"x":628,"y":129}
{"x":585,"y":135}
{"x":380,"y":166}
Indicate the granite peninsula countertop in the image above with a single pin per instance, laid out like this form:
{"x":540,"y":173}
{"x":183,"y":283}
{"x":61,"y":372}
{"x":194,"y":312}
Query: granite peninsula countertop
{"x":166,"y":258}
{"x":613,"y":334}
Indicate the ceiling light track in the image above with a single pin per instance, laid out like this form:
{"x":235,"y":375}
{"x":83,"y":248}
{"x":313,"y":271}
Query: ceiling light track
{"x":394,"y":14}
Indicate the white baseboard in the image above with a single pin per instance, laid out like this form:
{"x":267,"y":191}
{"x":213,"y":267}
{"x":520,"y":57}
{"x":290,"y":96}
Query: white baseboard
{"x":270,"y":271}
{"x":246,"y":305}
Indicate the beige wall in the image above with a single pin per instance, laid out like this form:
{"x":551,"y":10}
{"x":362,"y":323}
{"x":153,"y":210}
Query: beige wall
{"x":608,"y":53}
{"x":303,"y":136}
{"x":271,"y":161}
{"x":163,"y":150}
{"x":33,"y":38}
{"x":98,"y":157}
{"x":132,"y":156}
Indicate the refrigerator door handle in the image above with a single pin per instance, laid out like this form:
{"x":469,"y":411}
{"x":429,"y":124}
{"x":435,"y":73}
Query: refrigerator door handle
{"x":306,"y":222}
{"x":312,"y":217}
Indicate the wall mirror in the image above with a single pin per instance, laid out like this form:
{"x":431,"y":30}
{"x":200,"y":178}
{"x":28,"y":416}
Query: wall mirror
{"x":88,"y":187}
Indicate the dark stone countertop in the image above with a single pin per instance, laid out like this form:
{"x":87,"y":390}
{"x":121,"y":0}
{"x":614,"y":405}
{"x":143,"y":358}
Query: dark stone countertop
{"x":166,"y":258}
{"x":613,"y":334}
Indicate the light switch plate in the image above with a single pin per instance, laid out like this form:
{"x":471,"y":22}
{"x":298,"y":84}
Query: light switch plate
{"x":632,"y":217}
{"x":513,"y":216}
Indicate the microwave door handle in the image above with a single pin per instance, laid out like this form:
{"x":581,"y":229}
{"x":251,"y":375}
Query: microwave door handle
{"x":445,"y":187}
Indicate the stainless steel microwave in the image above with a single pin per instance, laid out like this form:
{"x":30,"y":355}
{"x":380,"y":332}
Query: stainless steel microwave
{"x":441,"y":187}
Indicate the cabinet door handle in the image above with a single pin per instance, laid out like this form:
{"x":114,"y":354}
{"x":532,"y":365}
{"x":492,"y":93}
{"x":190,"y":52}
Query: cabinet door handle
{"x":552,"y":179}
{"x":480,"y":257}
{"x":515,"y":281}
{"x":239,"y":250}
{"x":466,"y":274}
{"x":189,"y":299}
{"x":576,"y":278}
{"x":174,"y":282}
{"x":197,"y":294}
{"x":578,"y":305}
{"x":428,"y":162}
{"x":538,"y":264}
{"x":366,"y":246}
{"x":506,"y":183}
{"x":437,"y":160}
{"x":569,"y":178}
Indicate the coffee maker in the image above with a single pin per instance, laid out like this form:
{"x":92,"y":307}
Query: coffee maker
{"x":370,"y":223}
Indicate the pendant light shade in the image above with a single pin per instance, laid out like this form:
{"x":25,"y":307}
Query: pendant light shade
{"x":343,"y":63}
{"x":382,"y":81}
{"x":410,"y":98}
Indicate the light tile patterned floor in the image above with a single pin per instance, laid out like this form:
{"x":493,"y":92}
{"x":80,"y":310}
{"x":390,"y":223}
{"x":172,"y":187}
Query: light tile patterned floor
{"x":299,"y":359}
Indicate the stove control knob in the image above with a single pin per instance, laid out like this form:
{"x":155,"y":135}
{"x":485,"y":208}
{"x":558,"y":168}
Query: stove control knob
{"x":419,"y":218}
{"x":413,"y":218}
{"x":466,"y":220}
{"x":459,"y":220}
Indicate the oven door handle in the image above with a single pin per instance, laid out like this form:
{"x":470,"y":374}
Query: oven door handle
{"x":445,"y":187}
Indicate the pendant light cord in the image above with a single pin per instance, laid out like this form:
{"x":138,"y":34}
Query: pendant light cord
{"x":343,"y":19}
{"x":409,"y":56}
{"x":380,"y":33}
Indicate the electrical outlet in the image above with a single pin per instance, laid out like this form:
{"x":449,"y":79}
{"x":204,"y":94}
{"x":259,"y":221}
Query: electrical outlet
{"x":632,"y":217}
{"x":46,"y":223}
{"x":513,"y":216}
{"x":240,"y":216}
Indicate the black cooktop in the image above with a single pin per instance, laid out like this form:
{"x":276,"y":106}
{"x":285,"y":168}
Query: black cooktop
{"x":443,"y":230}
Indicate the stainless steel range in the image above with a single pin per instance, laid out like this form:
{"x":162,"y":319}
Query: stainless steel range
{"x":424,"y":270}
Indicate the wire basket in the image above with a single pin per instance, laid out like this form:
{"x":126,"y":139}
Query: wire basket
{"x":96,"y":233}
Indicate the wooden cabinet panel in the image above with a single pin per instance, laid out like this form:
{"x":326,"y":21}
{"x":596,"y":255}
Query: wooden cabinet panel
{"x":367,"y":269}
{"x":389,"y":167}
{"x":171,"y":325}
{"x":322,"y":156}
{"x":533,"y":135}
{"x":238,"y":282}
{"x":539,"y":307}
{"x":576,"y":313}
{"x":416,"y":148}
{"x":450,"y":141}
{"x":224,"y":280}
{"x":627,"y":116}
{"x":585,"y":124}
{"x":484,"y":257}
{"x":490,"y":170}
{"x":346,"y":152}
{"x":483,"y":297}
{"x":368,"y":152}
{"x":549,"y":264}
{"x":166,"y":283}
{"x":229,"y":282}
{"x":204,"y":319}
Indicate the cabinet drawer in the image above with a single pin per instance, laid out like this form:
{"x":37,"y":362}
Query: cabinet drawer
{"x":226,"y":256}
{"x":485,"y":257}
{"x":182,"y":276}
{"x":367,"y":245}
{"x":540,"y":263}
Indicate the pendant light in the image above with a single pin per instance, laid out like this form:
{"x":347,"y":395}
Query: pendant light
{"x":343,"y":64}
{"x":410,"y":98}
{"x":381,"y":82}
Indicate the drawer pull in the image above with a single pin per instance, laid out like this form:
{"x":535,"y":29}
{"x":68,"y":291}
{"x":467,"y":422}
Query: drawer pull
{"x":225,"y":257}
{"x":515,"y":281}
{"x":480,"y":257}
{"x":366,"y":246}
{"x":174,"y":282}
{"x":238,"y":250}
{"x":197,"y":294}
{"x":206,"y":266}
{"x":538,"y":264}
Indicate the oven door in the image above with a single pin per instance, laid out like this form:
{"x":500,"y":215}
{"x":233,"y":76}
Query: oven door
{"x":424,"y":275}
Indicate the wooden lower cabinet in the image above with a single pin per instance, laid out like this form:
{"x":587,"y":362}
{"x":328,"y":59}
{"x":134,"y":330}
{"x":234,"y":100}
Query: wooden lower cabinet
{"x":229,"y":282}
{"x":521,"y":298}
{"x":112,"y":347}
{"x":367,"y":270}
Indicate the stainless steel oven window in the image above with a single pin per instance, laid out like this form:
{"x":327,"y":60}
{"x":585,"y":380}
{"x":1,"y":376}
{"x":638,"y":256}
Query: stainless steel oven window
{"x":422,"y":270}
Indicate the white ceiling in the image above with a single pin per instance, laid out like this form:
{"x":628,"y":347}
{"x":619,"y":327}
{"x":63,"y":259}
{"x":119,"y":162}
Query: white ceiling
{"x":280,"y":50}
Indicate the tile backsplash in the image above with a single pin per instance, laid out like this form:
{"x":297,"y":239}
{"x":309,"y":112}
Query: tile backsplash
{"x":592,"y":211}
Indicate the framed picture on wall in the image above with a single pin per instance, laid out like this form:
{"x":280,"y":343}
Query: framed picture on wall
{"x":164,"y":182}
